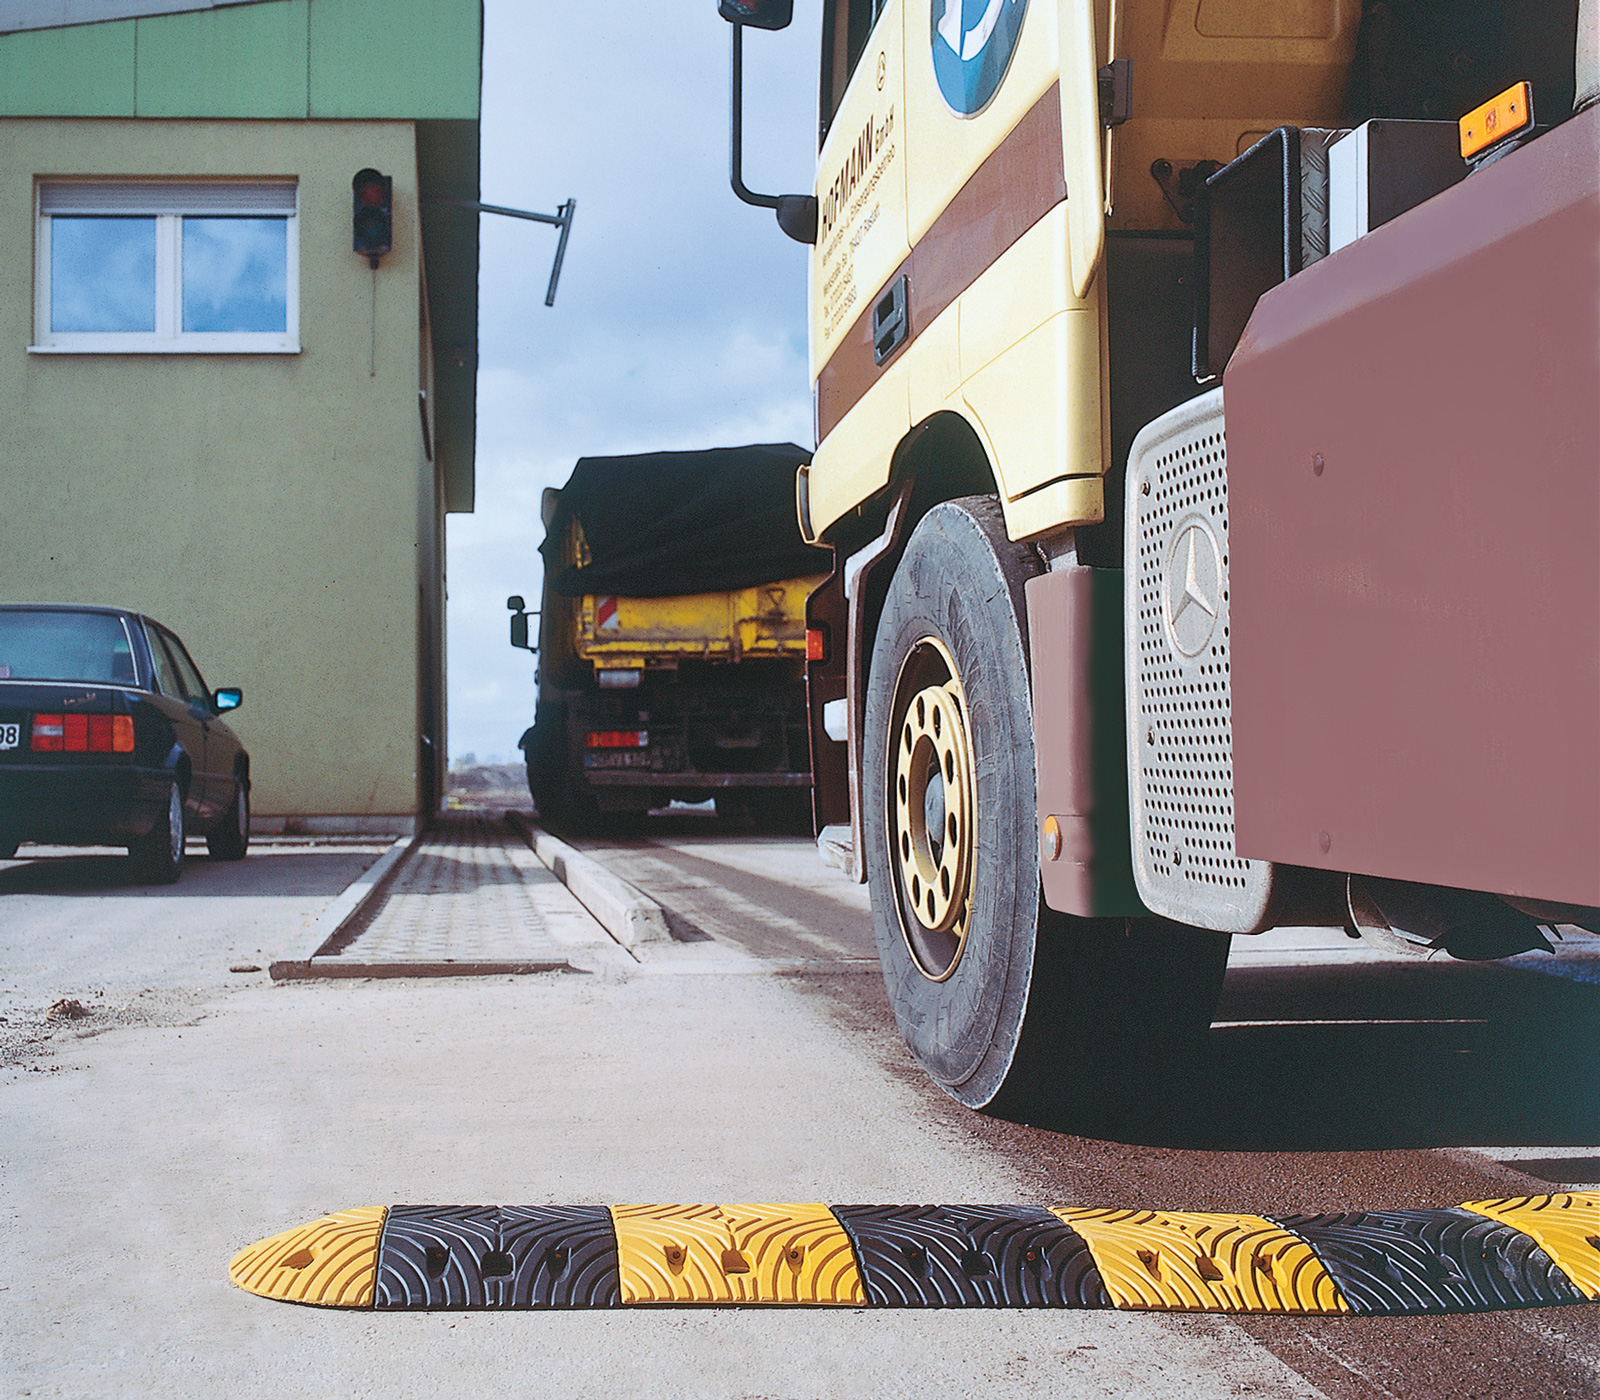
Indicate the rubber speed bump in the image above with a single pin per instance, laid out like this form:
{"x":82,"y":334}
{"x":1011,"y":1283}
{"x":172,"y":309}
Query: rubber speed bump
{"x":1395,"y":1262}
{"x":332,"y":1261}
{"x":1205,"y":1263}
{"x":498,"y":1257}
{"x":735,"y":1254}
{"x":1532,"y":1251}
{"x":972,"y":1256}
{"x":1566,"y":1226}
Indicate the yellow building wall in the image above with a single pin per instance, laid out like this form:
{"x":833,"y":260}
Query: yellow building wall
{"x":277,"y":511}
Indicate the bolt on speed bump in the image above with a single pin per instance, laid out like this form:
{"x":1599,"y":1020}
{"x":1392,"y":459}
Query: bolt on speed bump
{"x":1517,"y":1252}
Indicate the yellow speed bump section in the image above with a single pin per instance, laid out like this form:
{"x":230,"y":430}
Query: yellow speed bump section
{"x":1566,"y":1226}
{"x":790,"y":1253}
{"x":1195,"y":1262}
{"x":332,"y":1261}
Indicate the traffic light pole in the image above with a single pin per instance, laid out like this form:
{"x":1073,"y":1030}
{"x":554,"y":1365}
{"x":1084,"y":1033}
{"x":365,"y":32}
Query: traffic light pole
{"x":562,"y":219}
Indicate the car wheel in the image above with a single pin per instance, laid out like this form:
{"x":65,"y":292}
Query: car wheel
{"x":231,"y":839}
{"x":1002,"y":1000}
{"x":158,"y":857}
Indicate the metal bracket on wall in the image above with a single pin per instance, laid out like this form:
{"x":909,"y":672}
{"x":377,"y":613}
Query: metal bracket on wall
{"x":561,"y":219}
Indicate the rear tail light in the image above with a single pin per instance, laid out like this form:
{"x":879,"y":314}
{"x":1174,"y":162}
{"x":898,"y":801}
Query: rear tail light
{"x":618,"y":739}
{"x":82,"y":734}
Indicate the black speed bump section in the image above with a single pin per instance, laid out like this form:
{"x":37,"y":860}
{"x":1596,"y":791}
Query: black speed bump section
{"x":1532,"y":1251}
{"x":971,"y":1256}
{"x":497,"y":1257}
{"x":1398,"y":1262}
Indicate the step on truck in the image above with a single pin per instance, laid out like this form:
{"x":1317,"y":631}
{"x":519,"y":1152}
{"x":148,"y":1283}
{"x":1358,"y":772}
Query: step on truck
{"x":672,"y":639}
{"x":1207,"y":403}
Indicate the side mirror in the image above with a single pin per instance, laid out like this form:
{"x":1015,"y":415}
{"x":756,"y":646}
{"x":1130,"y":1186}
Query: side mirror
{"x":230,"y":697}
{"x":797,"y":213}
{"x":519,"y":622}
{"x":758,"y":14}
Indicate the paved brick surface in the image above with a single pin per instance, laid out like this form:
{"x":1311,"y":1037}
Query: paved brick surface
{"x":471,"y":892}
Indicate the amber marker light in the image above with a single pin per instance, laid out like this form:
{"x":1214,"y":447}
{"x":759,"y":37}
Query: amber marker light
{"x":1497,"y":119}
{"x":816,"y":644}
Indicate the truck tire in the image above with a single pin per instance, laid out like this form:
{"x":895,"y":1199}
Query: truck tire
{"x":564,"y":800}
{"x":1003,"y":1001}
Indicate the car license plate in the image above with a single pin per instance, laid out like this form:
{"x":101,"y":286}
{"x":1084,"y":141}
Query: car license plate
{"x":10,"y":735}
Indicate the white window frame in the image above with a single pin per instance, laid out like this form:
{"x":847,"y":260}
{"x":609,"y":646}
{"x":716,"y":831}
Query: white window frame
{"x":168,"y":201}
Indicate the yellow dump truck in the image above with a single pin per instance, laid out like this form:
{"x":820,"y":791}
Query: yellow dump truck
{"x":1207,"y":436}
{"x":672,"y":638}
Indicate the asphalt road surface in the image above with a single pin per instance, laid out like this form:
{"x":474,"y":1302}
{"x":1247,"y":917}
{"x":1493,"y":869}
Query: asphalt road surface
{"x":183,"y":1110}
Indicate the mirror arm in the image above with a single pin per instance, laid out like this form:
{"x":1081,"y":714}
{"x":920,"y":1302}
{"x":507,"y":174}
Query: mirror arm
{"x":797,"y":213}
{"x":736,"y":130}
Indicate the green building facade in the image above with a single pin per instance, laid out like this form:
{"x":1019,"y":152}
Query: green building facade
{"x":217,"y":412}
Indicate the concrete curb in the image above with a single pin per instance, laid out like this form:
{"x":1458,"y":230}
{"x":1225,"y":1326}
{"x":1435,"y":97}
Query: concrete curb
{"x":296,"y":961}
{"x":628,"y":915}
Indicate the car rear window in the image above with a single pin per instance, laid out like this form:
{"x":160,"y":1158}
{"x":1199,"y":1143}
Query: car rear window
{"x":47,"y":645}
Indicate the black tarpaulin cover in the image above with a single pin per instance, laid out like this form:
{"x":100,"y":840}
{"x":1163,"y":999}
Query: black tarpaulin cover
{"x":661,"y":524}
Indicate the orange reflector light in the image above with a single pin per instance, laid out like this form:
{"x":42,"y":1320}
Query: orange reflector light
{"x":619,"y":739}
{"x":816,"y":644}
{"x":1498,"y":118}
{"x":46,"y":736}
{"x":121,"y":733}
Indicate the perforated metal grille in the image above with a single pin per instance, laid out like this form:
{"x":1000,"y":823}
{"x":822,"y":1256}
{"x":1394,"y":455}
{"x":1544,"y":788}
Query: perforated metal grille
{"x":1180,"y":708}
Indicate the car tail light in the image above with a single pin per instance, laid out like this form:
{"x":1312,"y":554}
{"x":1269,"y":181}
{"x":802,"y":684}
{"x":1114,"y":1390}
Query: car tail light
{"x":82,"y":734}
{"x":619,"y":739}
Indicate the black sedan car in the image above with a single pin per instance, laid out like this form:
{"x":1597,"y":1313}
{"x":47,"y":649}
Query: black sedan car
{"x":109,"y":736}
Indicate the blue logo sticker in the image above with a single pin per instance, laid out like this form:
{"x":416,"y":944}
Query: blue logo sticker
{"x":973,"y":41}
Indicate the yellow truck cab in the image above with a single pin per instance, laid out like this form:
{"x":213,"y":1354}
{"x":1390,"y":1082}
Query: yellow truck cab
{"x":1094,"y":680}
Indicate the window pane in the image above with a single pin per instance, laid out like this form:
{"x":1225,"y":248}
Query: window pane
{"x":194,"y":687}
{"x":64,"y":646}
{"x":235,"y":274}
{"x":102,"y":274}
{"x":167,"y":681}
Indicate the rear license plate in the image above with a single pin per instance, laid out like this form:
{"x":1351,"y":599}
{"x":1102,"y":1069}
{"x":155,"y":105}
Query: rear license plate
{"x":10,"y":735}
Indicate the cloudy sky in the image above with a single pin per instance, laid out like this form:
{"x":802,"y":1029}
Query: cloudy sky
{"x":680,"y":321}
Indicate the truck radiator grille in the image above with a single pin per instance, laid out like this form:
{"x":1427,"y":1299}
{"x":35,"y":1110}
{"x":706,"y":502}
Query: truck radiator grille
{"x":1180,"y":737}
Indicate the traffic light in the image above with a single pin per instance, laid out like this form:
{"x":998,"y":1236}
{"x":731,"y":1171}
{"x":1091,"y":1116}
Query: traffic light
{"x":372,"y":225}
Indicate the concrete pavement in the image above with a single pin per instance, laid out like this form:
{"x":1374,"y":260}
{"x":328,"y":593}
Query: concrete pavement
{"x":138,"y":1159}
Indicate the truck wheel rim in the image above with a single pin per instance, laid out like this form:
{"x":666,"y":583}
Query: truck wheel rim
{"x":931,"y":809}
